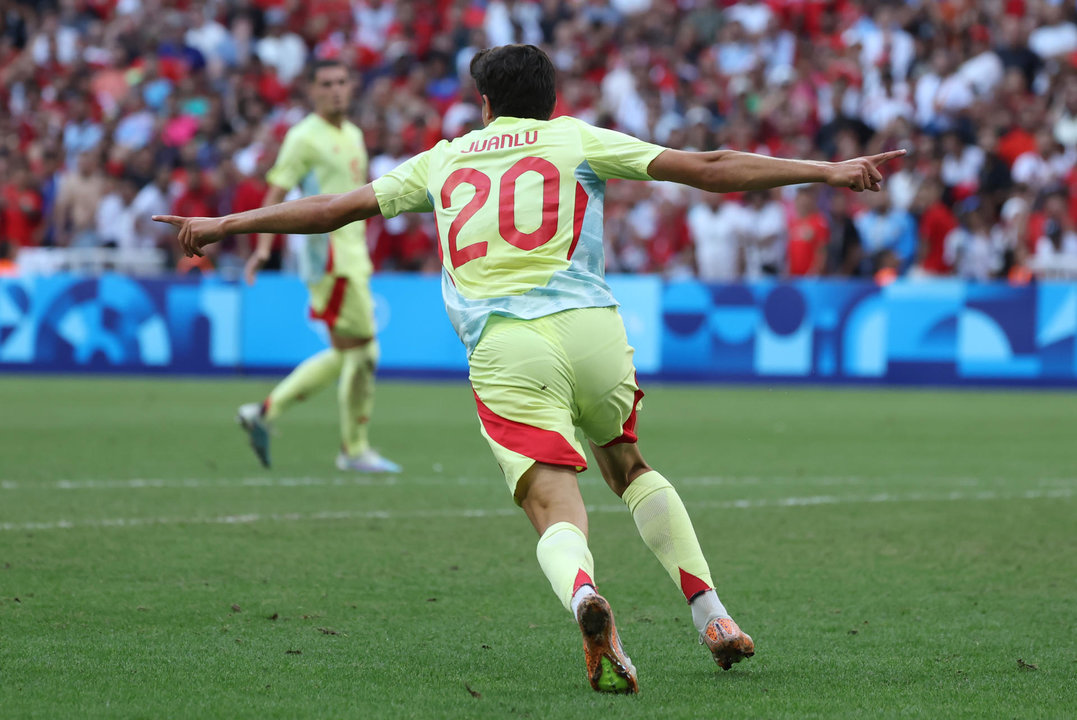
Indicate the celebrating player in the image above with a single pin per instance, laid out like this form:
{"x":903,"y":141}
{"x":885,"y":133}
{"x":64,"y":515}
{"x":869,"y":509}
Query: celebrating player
{"x":324,"y":153}
{"x":518,"y":206}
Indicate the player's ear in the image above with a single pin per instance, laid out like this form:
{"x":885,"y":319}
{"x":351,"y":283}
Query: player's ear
{"x":487,"y":111}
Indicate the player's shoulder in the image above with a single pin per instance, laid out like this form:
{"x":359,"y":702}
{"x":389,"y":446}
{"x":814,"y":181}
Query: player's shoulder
{"x":305,"y":128}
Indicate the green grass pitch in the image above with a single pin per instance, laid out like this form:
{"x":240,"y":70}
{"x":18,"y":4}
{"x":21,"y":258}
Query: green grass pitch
{"x":893,"y":553}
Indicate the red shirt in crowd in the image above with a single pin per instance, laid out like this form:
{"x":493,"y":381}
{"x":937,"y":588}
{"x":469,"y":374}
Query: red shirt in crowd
{"x":935,"y":225}
{"x":808,"y":237}
{"x":21,"y":214}
{"x":249,"y":195}
{"x":670,"y":239}
{"x":1014,"y":144}
{"x":196,"y":202}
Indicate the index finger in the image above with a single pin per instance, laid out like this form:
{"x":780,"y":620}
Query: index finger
{"x":886,"y":156}
{"x":170,"y":219}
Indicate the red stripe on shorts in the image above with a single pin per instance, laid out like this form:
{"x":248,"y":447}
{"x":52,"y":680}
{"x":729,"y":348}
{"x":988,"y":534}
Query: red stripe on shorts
{"x":540,"y":445}
{"x":332,"y":308}
{"x":628,"y":432}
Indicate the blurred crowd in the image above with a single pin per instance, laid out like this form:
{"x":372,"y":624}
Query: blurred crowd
{"x":116,"y":109}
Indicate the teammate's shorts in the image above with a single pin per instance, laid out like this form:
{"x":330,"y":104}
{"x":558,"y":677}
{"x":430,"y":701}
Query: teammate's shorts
{"x":344,"y":304}
{"x":542,"y":386}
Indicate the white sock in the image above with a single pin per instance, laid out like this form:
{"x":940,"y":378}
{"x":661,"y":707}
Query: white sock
{"x":706,"y":606}
{"x":582,"y":594}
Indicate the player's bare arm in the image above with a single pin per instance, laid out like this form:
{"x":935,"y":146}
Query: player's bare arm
{"x":733,"y":171}
{"x":274,"y":196}
{"x":306,"y":216}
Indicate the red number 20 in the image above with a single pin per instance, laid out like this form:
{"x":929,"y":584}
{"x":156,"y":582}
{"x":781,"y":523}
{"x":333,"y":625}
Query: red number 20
{"x":506,"y":207}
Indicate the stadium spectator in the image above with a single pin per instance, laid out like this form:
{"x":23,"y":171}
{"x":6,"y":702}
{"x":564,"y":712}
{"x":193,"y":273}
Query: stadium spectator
{"x":937,"y":221}
{"x":116,"y":218}
{"x":883,"y":227}
{"x":21,"y":207}
{"x":715,"y":223}
{"x":765,"y":235}
{"x":973,"y":248}
{"x":79,"y":195}
{"x":844,"y":252}
{"x":153,"y":199}
{"x":808,"y":235}
{"x":1056,"y":245}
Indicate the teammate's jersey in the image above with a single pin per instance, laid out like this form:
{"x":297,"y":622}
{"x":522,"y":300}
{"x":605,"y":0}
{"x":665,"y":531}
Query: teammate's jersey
{"x":319,"y":157}
{"x":518,"y":207}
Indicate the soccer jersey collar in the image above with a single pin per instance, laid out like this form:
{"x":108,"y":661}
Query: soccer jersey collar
{"x":506,"y":120}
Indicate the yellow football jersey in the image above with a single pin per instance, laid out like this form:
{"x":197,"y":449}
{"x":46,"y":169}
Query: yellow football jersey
{"x":319,"y":157}
{"x":518,"y":207}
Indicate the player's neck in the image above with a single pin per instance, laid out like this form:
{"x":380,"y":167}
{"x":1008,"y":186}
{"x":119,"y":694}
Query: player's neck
{"x":334,"y":119}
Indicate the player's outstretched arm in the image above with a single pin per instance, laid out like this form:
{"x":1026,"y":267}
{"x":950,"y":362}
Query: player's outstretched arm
{"x":306,"y":216}
{"x":733,"y":171}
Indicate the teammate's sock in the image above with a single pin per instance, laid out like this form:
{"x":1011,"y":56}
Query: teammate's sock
{"x":566,"y":561}
{"x":309,"y":377}
{"x":355,"y":396}
{"x":706,"y":606}
{"x":664,"y":525}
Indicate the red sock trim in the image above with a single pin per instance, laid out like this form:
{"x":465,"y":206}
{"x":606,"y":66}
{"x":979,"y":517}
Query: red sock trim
{"x":582,"y":578}
{"x":691,"y":585}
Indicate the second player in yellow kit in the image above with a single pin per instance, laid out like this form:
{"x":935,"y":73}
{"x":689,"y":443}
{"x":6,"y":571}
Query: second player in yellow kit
{"x":320,"y":157}
{"x":324,"y":153}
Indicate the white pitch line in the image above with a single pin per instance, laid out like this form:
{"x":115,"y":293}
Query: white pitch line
{"x":249,"y":518}
{"x":492,"y":480}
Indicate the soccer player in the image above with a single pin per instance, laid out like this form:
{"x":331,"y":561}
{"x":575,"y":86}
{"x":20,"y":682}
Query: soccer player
{"x":518,"y":206}
{"x":324,"y":153}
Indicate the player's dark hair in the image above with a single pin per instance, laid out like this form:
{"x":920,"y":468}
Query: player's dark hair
{"x":314,"y":67}
{"x":518,"y":79}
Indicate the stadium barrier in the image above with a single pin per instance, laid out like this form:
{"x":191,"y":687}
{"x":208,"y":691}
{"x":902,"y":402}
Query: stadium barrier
{"x":919,"y":332}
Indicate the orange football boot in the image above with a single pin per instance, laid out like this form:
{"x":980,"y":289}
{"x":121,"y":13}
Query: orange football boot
{"x":727,"y":642}
{"x":608,"y":667}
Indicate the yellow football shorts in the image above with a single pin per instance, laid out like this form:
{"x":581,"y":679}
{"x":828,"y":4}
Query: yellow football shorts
{"x":543,"y":385}
{"x":344,"y":303}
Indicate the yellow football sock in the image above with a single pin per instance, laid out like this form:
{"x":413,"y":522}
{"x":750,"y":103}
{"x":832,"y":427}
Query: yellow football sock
{"x":355,"y":396}
{"x":664,"y":525}
{"x":309,"y":377}
{"x":566,"y":561}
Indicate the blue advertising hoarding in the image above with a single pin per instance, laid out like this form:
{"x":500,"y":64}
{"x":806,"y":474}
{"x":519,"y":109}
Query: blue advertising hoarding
{"x":943,"y":331}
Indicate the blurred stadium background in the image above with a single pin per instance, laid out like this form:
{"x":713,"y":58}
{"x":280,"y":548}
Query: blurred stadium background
{"x":894,"y":553}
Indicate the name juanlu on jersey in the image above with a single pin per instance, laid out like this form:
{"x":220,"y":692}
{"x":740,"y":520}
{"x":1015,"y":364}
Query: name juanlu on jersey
{"x":508,"y":140}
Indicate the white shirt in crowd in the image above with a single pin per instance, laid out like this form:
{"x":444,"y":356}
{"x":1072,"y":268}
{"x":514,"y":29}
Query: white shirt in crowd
{"x":287,"y":54}
{"x":1052,"y":40}
{"x":1034,"y":170}
{"x":151,"y":201}
{"x":716,"y":234}
{"x":983,"y":72}
{"x":753,"y":16}
{"x":974,"y":255}
{"x":963,"y":168}
{"x":116,"y":222}
{"x":211,"y":39}
{"x":372,"y":24}
{"x":764,"y":240}
{"x":1057,"y":263}
{"x":880,"y":108}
